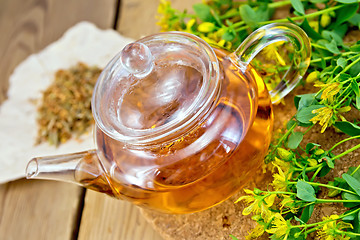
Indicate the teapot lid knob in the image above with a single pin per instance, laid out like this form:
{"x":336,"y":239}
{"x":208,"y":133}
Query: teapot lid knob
{"x":136,"y":58}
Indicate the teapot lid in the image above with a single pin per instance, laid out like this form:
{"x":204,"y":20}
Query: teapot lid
{"x":156,"y":86}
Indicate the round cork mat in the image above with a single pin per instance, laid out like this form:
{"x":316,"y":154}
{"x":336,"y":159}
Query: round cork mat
{"x":219,"y":222}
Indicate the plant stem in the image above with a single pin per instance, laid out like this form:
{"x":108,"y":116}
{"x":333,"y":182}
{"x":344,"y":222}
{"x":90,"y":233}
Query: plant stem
{"x":327,"y":186}
{"x":310,"y":15}
{"x":346,"y":152}
{"x":358,"y":167}
{"x":330,"y":57}
{"x":279,"y":4}
{"x":342,"y":141}
{"x":315,"y":174}
{"x":336,"y":200}
{"x":309,"y":169}
{"x":348,"y":66}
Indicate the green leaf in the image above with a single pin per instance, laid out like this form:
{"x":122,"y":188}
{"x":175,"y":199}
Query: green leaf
{"x":344,"y":76}
{"x":310,"y":146}
{"x":252,"y":17}
{"x":346,"y":13}
{"x":203,"y":11}
{"x":332,"y":35}
{"x":305,"y":114}
{"x":304,"y":100}
{"x":346,"y":1}
{"x":355,"y":87}
{"x":341,"y":62}
{"x":295,"y":234}
{"x":324,"y":171}
{"x":351,"y":197}
{"x":309,"y":30}
{"x":248,"y":15}
{"x":349,"y":128}
{"x":332,"y":47}
{"x":356,"y":224}
{"x":355,"y":48}
{"x":233,"y":237}
{"x":307,"y":212}
{"x":357,"y":103}
{"x":228,"y":36}
{"x":295,"y":139}
{"x":318,"y":1}
{"x":350,"y":217}
{"x":355,"y":69}
{"x":298,"y":6}
{"x":353,"y":182}
{"x":356,"y":174}
{"x":355,"y":20}
{"x":289,"y":124}
{"x":299,"y":220}
{"x":305,"y":191}
{"x":329,"y":162}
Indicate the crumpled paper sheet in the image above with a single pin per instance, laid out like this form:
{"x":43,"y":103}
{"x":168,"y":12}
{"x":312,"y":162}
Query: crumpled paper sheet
{"x":83,"y":42}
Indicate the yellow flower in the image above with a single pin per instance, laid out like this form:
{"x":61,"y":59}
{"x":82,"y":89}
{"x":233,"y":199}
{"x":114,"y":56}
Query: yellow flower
{"x":280,"y":227}
{"x":280,"y":180}
{"x":271,"y":51}
{"x":257,"y":203}
{"x":284,"y":165}
{"x":333,"y":229}
{"x":323,"y":116}
{"x":256,"y":232}
{"x":326,"y":116}
{"x":288,"y":202}
{"x":329,"y":90}
{"x":189,"y":25}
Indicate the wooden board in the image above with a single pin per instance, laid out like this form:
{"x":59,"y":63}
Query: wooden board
{"x":107,"y":218}
{"x":28,"y":26}
{"x":41,"y":209}
{"x":38,"y":210}
{"x":137,"y":17}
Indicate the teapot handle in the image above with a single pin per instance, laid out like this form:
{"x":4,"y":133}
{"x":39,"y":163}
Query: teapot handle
{"x":272,"y":33}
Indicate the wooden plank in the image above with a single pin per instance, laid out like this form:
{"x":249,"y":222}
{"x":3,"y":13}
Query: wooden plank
{"x":38,"y":210}
{"x":107,"y":218}
{"x":28,"y":26}
{"x":137,"y":17}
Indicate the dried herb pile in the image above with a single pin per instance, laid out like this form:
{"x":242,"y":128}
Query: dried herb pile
{"x":65,"y":108}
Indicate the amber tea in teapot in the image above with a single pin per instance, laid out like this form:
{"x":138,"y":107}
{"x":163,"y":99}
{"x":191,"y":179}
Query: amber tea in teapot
{"x":180,"y":126}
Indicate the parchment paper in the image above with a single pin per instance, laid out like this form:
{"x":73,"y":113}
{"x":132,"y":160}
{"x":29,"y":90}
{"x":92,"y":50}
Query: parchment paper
{"x":83,"y":42}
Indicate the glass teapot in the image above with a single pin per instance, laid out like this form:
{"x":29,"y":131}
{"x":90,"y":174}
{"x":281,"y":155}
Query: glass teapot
{"x":180,"y":126}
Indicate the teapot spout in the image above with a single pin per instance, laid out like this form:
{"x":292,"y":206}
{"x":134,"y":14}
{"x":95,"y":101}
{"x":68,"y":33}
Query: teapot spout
{"x":83,"y":168}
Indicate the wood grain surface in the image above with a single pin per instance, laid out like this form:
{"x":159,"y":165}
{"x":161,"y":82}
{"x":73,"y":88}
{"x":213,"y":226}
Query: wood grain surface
{"x":138,"y":17}
{"x":39,"y":210}
{"x":107,"y":218}
{"x":52,"y":210}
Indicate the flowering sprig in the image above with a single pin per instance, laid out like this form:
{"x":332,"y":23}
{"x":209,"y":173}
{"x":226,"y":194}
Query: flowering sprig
{"x":285,"y":208}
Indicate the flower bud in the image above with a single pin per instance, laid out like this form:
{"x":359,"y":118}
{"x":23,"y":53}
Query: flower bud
{"x":325,"y":20}
{"x":319,"y":151}
{"x":284,"y":154}
{"x":312,"y":162}
{"x":312,"y":77}
{"x":257,"y":191}
{"x":206,"y":27}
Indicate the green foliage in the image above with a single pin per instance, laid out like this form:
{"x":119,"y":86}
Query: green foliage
{"x":284,"y":209}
